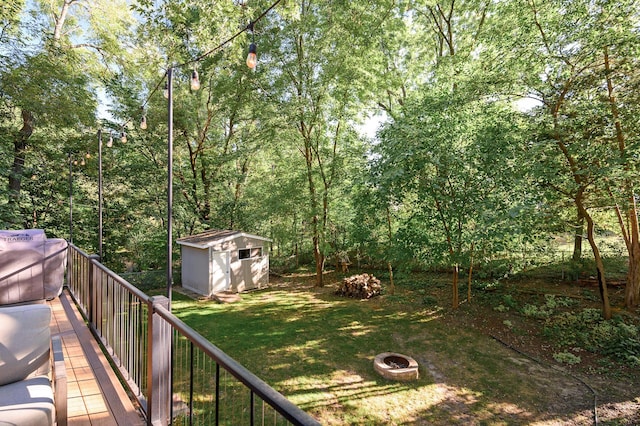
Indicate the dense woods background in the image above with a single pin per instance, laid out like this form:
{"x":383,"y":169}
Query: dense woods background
{"x":503,"y":127}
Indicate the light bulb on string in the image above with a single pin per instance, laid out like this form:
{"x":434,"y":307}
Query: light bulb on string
{"x":165,"y":92}
{"x":143,"y":123}
{"x":195,"y":80}
{"x":252,"y":58}
{"x":110,"y":141}
{"x":82,"y":162}
{"x":123,"y":137}
{"x":88,"y":155}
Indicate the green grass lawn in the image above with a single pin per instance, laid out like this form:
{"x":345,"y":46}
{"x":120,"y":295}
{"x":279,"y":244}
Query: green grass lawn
{"x":318,"y":349}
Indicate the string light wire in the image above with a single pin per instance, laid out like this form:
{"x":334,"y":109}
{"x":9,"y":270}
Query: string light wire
{"x":248,"y":27}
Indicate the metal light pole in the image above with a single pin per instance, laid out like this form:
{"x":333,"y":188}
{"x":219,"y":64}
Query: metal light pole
{"x":100,"y":195}
{"x":169,"y":183}
{"x":70,"y":198}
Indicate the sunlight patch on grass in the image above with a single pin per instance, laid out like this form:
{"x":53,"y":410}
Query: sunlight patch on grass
{"x":431,"y":315}
{"x":303,"y":354}
{"x":289,"y":300}
{"x":340,"y":385}
{"x":346,"y":397}
{"x":357,"y":329}
{"x":308,"y":344}
{"x":405,"y":407}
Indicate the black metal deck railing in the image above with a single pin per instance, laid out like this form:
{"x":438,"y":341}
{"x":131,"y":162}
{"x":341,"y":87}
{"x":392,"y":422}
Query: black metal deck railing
{"x":177,"y":376}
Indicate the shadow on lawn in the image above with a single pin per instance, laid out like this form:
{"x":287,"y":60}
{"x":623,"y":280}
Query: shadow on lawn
{"x":318,"y":350}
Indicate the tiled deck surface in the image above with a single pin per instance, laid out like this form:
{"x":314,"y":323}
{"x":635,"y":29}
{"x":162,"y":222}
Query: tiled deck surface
{"x":95,"y":396}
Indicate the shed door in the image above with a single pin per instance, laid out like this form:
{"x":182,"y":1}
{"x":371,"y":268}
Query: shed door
{"x":220,"y":278}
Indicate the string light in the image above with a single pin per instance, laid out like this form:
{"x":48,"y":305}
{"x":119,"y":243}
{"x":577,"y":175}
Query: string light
{"x":110,"y":141}
{"x":252,"y":61}
{"x":195,"y":80}
{"x":165,"y":92}
{"x":143,"y":123}
{"x":252,"y":58}
{"x":88,"y":155}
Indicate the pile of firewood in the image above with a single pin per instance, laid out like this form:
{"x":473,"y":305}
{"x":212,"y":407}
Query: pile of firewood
{"x":363,"y":286}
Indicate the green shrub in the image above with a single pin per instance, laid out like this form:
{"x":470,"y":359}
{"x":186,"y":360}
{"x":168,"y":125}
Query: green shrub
{"x":534,"y":311}
{"x":618,"y":340}
{"x":496,"y":268}
{"x":615,"y":338}
{"x":509,"y":301}
{"x":148,"y":280}
{"x":486,"y":285}
{"x":553,"y":302}
{"x":567,"y":358}
{"x":501,"y":308}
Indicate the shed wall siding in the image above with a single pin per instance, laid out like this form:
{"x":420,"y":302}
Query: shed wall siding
{"x":256,"y":272}
{"x":196,"y":270}
{"x":248,"y":274}
{"x":252,"y":273}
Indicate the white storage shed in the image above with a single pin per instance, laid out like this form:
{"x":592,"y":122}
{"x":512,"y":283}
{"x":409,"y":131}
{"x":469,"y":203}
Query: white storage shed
{"x":221,"y":260}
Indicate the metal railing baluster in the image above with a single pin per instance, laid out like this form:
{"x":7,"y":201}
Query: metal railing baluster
{"x":121,"y":317}
{"x":191,"y":383}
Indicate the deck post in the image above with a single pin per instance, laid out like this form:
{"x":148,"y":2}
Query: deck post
{"x":91,"y":297}
{"x":70,"y":268}
{"x":159,"y":358}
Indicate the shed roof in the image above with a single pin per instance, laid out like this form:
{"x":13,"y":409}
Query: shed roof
{"x":215,"y":236}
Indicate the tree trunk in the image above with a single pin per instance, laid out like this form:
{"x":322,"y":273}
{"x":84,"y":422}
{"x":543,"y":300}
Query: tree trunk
{"x":456,"y":299}
{"x":19,"y":146}
{"x":470,"y":278}
{"x":632,"y":236}
{"x":319,"y":258}
{"x":392,"y":287}
{"x":577,"y":238}
{"x":296,"y":238}
{"x":632,"y":242}
{"x":317,"y":252}
{"x":602,"y":282}
{"x":632,"y":288}
{"x":61,"y":19}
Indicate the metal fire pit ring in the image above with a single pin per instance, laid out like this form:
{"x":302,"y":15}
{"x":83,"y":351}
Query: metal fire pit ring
{"x":394,"y":366}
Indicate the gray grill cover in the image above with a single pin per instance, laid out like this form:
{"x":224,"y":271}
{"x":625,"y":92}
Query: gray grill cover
{"x":32,"y":266}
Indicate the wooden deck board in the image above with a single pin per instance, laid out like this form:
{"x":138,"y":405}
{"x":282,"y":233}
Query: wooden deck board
{"x":95,"y":396}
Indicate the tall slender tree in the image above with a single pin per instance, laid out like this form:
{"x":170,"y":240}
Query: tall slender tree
{"x":42,"y":85}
